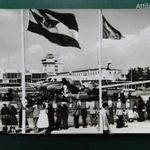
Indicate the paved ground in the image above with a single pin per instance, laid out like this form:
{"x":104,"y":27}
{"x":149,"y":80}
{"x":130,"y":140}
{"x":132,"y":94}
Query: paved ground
{"x":134,"y":127}
{"x":81,"y":130}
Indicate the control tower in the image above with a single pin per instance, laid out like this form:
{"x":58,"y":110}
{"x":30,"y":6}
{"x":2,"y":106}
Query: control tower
{"x":51,"y":66}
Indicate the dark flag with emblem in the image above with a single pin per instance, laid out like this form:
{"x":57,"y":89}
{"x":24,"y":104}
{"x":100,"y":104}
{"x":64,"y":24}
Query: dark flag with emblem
{"x":58,"y":28}
{"x":109,"y":32}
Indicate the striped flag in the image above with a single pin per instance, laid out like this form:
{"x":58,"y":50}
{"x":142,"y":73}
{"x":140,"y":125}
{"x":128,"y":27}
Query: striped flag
{"x":109,"y":32}
{"x":58,"y":28}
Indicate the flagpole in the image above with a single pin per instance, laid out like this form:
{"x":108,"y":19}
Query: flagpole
{"x":100,"y":128}
{"x":23,"y":74}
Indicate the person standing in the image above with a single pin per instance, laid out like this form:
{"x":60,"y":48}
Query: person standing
{"x":65,"y":116}
{"x":129,"y":110}
{"x":76,"y":112}
{"x":51,"y":112}
{"x":92,"y":111}
{"x":13,"y":119}
{"x":148,"y":109}
{"x":105,"y":121}
{"x":135,"y":113}
{"x":119,"y":114}
{"x":111,"y":113}
{"x":29,"y":115}
{"x":84,"y":113}
{"x":115,"y":99}
{"x":59,"y":117}
{"x":36,"y":113}
{"x":42,"y":122}
{"x":65,"y":91}
{"x":141,"y":109}
{"x":123,"y":100}
{"x":5,"y":112}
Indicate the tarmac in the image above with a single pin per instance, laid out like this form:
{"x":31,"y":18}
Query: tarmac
{"x":132,"y":128}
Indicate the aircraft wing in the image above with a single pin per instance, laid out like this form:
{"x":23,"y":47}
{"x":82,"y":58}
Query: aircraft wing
{"x":125,"y":84}
{"x":55,"y":86}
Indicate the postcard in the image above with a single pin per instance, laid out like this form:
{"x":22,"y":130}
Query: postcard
{"x":74,"y":71}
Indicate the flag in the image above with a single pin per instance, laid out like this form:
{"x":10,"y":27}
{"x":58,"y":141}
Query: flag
{"x":58,"y":28}
{"x":109,"y":32}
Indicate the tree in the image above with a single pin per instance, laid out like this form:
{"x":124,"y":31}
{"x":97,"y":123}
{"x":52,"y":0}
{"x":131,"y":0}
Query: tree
{"x":132,"y":75}
{"x":147,"y":73}
{"x":138,"y":74}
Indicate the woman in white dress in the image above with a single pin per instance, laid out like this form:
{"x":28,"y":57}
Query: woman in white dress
{"x":42,"y":122}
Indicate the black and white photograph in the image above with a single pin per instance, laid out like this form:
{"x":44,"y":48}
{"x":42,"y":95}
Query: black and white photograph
{"x":61,"y":70}
{"x":50,"y":62}
{"x":126,"y":83}
{"x":74,"y":71}
{"x":10,"y":72}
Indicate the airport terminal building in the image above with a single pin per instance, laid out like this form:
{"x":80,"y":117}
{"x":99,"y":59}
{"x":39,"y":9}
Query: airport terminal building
{"x":93,"y":74}
{"x":52,"y":68}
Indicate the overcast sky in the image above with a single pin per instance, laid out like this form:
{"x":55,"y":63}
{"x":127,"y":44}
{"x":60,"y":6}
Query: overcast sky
{"x":72,"y":58}
{"x":10,"y":45}
{"x":131,"y":51}
{"x":134,"y":49}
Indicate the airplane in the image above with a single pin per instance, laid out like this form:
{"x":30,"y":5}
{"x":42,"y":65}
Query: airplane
{"x":86,"y":90}
{"x":79,"y":90}
{"x":54,"y":85}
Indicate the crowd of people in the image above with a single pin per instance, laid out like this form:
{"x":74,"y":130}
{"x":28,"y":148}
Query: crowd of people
{"x":120,"y":110}
{"x":44,"y":118}
{"x":60,"y":116}
{"x":56,"y":114}
{"x":43,"y":115}
{"x":8,"y":119}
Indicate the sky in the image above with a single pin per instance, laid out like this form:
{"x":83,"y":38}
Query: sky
{"x":72,"y":58}
{"x":10,"y":44}
{"x":134,"y":49}
{"x":131,"y":51}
